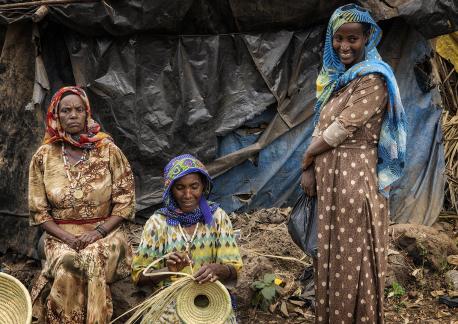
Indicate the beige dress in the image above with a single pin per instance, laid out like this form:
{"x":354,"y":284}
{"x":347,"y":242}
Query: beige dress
{"x":79,"y":292}
{"x":352,"y":214}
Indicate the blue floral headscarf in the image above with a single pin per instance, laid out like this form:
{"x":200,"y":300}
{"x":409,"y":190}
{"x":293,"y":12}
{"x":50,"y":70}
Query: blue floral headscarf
{"x":333,"y":76}
{"x":177,"y":168}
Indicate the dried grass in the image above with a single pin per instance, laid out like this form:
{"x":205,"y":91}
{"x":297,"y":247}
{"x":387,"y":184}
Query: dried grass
{"x":448,"y":88}
{"x":153,"y":307}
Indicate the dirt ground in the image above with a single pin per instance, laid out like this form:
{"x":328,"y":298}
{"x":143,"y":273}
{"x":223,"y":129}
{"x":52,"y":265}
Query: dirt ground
{"x":266,"y":247}
{"x":265,"y":232}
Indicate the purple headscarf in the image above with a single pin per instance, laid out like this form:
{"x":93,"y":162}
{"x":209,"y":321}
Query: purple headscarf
{"x":177,"y":168}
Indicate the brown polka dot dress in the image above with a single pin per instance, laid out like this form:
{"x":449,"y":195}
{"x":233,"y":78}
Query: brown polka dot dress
{"x":352,"y":214}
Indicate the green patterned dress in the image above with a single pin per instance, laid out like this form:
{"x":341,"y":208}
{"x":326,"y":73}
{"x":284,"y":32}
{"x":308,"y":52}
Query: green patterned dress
{"x":212,"y":244}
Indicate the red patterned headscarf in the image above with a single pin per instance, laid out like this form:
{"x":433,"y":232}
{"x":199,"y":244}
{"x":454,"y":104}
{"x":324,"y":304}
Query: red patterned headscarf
{"x":92,"y":136}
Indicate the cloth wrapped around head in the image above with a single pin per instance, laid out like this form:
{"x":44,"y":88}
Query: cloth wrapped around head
{"x":177,"y":168}
{"x":92,"y":136}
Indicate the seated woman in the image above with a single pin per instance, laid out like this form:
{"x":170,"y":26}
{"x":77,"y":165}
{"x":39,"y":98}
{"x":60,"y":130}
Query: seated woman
{"x":81,"y":189}
{"x":195,"y":232}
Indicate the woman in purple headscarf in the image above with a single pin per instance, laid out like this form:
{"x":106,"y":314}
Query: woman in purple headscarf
{"x":196,"y":234}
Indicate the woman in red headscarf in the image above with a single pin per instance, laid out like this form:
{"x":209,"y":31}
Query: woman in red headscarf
{"x":81,"y":189}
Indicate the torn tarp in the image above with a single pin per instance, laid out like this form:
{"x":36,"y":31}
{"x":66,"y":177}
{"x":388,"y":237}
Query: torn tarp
{"x":430,"y":17}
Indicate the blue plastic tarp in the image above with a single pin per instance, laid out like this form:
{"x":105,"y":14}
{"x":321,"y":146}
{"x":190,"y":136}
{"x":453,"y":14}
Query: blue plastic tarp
{"x":271,"y":178}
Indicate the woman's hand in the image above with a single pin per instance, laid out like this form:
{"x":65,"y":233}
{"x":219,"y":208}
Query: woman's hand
{"x":177,"y":261}
{"x":211,"y":272}
{"x":72,"y":241}
{"x":307,"y":160}
{"x":55,"y":230}
{"x":308,"y":182}
{"x":87,"y":238}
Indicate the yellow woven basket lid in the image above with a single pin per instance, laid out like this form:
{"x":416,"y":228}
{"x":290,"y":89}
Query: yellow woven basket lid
{"x":15,"y":303}
{"x":204,"y":303}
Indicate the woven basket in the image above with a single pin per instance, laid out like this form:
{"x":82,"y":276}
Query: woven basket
{"x":216,"y":311}
{"x":15,"y":303}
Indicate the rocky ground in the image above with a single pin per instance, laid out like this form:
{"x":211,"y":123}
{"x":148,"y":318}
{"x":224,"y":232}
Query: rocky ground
{"x":417,"y":276}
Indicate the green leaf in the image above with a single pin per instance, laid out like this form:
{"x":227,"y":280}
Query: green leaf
{"x":258,"y":284}
{"x":398,"y":290}
{"x":268,"y":293}
{"x":269,"y":277}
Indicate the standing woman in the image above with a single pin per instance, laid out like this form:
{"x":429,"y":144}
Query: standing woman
{"x":357,"y":152}
{"x":81,"y":189}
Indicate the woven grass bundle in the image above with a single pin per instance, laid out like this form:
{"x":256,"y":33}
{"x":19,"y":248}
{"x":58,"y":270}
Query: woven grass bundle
{"x":450,"y":130}
{"x":15,"y":303}
{"x":196,"y":303}
{"x":448,"y":87}
{"x":204,"y":303}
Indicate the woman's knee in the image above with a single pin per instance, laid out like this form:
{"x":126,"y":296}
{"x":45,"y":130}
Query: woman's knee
{"x":70,"y":264}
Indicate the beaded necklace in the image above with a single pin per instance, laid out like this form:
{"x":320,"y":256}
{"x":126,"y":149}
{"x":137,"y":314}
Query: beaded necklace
{"x":77,"y":193}
{"x":188,"y":242}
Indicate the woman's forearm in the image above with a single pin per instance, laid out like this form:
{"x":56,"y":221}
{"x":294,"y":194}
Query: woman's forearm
{"x":231,"y":272}
{"x":111,"y":223}
{"x":52,"y":228}
{"x":318,"y":146}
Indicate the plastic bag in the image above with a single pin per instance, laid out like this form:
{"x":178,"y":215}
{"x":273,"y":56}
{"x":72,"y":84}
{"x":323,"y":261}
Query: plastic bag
{"x":302,"y":224}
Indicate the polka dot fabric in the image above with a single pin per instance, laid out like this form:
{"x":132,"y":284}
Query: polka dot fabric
{"x":352,"y":213}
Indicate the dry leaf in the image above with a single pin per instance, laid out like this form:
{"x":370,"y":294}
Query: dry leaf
{"x":452,"y":293}
{"x":272,"y":307}
{"x":441,"y":314}
{"x":283,"y":309}
{"x":437,"y":293}
{"x":309,"y":313}
{"x":417,"y":273}
{"x":299,"y":311}
{"x":419,"y":298}
{"x":452,"y":259}
{"x":411,"y":305}
{"x":297,"y":302}
{"x":297,"y":292}
{"x":392,"y":252}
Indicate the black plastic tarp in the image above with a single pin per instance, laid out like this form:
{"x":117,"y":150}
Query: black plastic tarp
{"x":161,"y":96}
{"x":183,"y":16}
{"x":430,"y":17}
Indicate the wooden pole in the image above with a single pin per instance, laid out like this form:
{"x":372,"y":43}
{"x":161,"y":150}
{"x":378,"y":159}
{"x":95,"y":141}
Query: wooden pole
{"x":40,"y":14}
{"x":21,"y":5}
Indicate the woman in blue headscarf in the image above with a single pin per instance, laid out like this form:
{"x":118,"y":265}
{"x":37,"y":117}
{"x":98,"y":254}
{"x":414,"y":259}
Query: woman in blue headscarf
{"x":357,"y":153}
{"x":194,"y":234}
